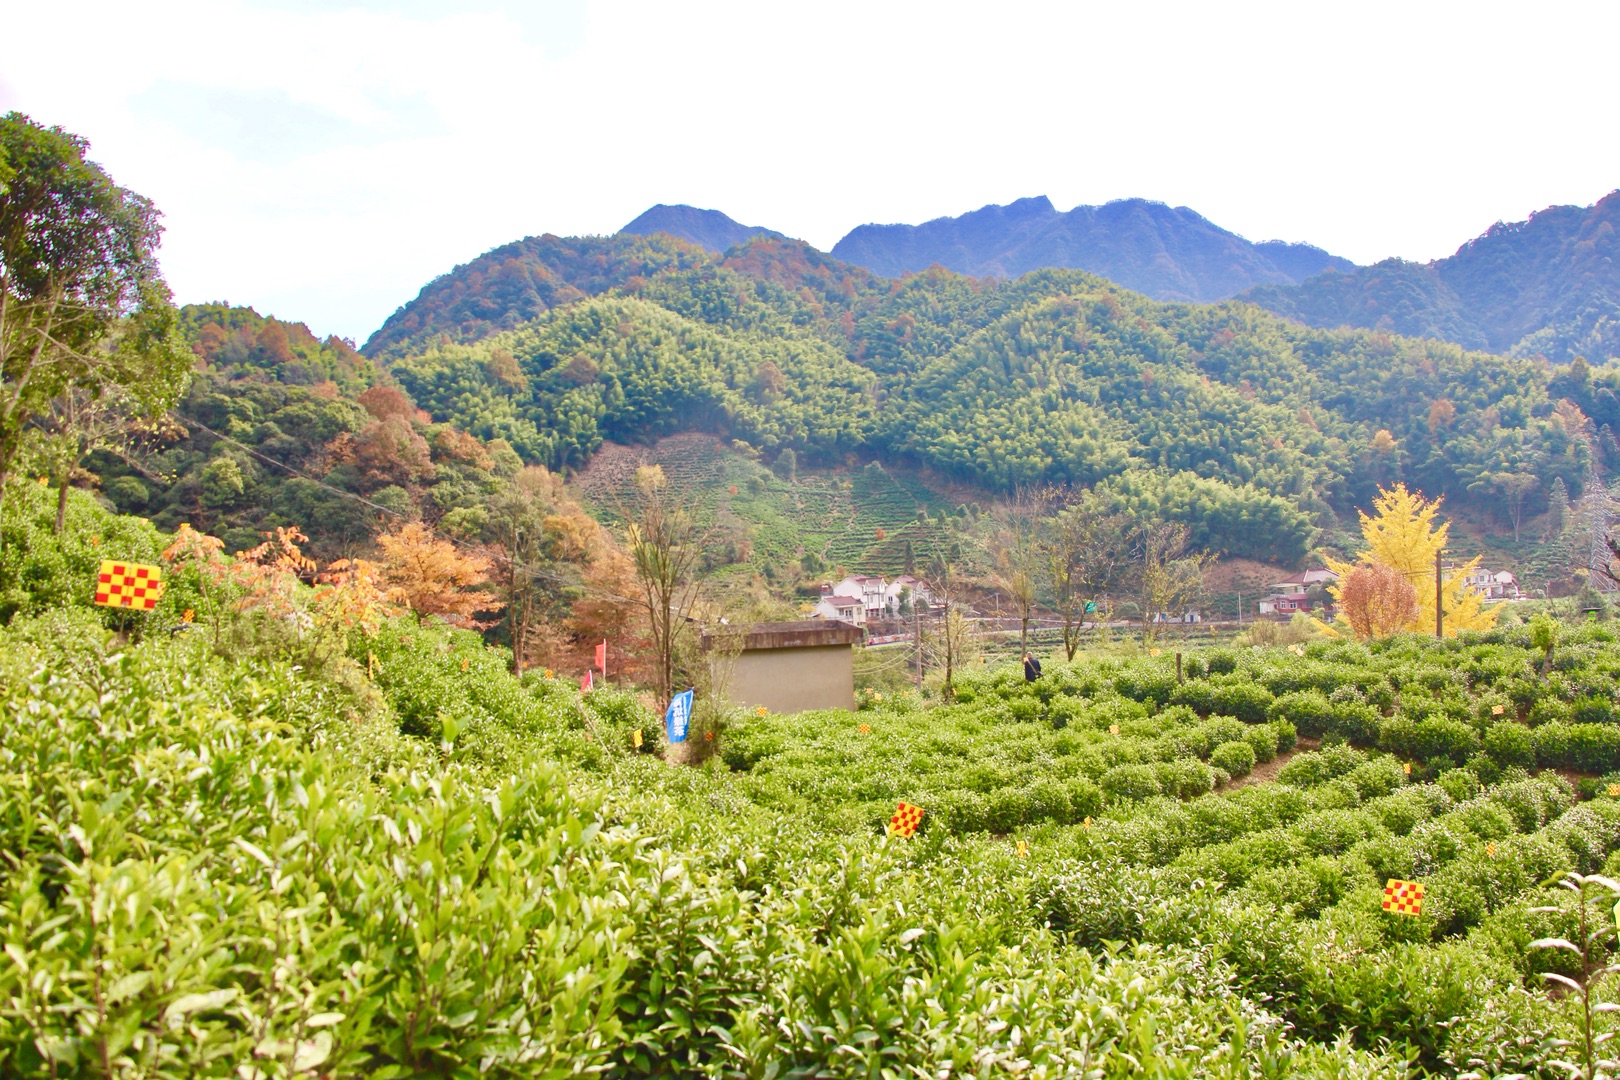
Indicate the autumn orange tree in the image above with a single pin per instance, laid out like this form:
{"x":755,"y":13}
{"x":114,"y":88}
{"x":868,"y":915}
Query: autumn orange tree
{"x":1402,"y":535}
{"x":1378,"y":601}
{"x":563,"y":581}
{"x":431,"y":577}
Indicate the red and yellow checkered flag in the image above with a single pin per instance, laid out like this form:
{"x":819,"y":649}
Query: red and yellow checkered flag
{"x":1403,"y":897}
{"x":906,"y":819}
{"x":131,"y":585}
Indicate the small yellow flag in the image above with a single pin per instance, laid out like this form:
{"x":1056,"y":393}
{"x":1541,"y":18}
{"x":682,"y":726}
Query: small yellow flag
{"x":1407,"y":768}
{"x":1498,"y":710}
{"x":1153,"y":652}
{"x":1087,"y":823}
{"x":1614,"y":791}
{"x":187,"y":615}
{"x":865,"y":729}
{"x":1403,"y":897}
{"x":761,"y":711}
{"x":906,"y":819}
{"x":1490,"y":849}
{"x":1023,"y":849}
{"x":1113,"y":729}
{"x":635,"y":740}
{"x":130,"y":585}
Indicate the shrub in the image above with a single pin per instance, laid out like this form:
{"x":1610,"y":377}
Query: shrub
{"x":1460,"y":784}
{"x":1129,"y":782}
{"x":1145,"y":684}
{"x":1187,"y":778}
{"x":1197,"y":695}
{"x":1263,"y":738}
{"x":1588,"y":748}
{"x":1375,"y":779}
{"x":1235,"y":757}
{"x":1428,"y":739}
{"x":1549,"y":710}
{"x":1353,"y":722}
{"x":1592,"y":710}
{"x":1287,"y":737}
{"x":1510,"y":745}
{"x":1007,"y":809}
{"x":1307,"y":710}
{"x":1249,"y":702}
{"x":1085,"y":798}
{"x":1320,"y":766}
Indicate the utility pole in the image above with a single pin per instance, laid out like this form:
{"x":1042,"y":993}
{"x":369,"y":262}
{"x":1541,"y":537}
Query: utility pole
{"x":1597,"y":494}
{"x":1439,"y":608}
{"x":916,"y":640}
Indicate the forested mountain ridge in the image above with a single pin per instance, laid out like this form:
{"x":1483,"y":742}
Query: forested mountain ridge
{"x":1163,"y":252}
{"x":708,"y":229}
{"x":516,"y":282}
{"x":1548,"y":286}
{"x":1249,"y":426}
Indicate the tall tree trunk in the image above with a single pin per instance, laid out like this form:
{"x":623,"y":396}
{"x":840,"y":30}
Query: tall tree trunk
{"x":61,"y":501}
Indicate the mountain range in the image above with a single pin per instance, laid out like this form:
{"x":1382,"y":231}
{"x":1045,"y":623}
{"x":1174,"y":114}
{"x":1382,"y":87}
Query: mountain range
{"x":1547,"y":286}
{"x":1168,"y":253}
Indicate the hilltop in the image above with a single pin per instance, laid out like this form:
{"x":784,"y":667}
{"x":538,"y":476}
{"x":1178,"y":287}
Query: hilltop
{"x":708,"y":229}
{"x":1163,"y":252}
{"x":1547,"y":286}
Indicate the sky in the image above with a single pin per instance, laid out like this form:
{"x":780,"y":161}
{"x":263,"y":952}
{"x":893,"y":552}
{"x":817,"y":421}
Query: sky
{"x":322,"y":161}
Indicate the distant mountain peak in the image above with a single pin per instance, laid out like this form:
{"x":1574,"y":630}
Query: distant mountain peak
{"x":709,"y":229}
{"x":1169,"y":253}
{"x":1546,"y":286}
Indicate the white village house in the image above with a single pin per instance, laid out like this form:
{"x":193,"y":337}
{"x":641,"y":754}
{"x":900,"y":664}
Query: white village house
{"x":1289,"y":595}
{"x":1496,"y":585}
{"x":861,"y":597}
{"x":845,"y":608}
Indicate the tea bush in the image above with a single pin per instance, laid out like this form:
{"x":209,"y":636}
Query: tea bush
{"x":411,"y":863}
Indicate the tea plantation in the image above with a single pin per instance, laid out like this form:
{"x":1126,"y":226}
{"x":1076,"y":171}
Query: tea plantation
{"x":398,"y":860}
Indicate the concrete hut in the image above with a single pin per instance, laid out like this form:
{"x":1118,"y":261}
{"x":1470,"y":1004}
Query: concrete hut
{"x":792,"y":666}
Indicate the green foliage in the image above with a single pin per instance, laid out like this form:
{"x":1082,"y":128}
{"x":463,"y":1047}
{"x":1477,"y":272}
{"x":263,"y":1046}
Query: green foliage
{"x":409,"y":862}
{"x":1556,"y":301}
{"x":41,"y":570}
{"x":1183,"y":413}
{"x":1236,"y":758}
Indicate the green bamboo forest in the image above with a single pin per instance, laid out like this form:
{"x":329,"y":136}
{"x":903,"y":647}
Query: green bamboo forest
{"x":336,"y":799}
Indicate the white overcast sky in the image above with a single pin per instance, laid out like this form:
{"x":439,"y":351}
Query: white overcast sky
{"x":323,"y":160}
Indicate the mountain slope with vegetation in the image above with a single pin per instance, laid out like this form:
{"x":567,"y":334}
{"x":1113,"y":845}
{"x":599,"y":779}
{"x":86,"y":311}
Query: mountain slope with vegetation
{"x":1166,"y":253}
{"x":1054,"y":377}
{"x":1548,"y":286}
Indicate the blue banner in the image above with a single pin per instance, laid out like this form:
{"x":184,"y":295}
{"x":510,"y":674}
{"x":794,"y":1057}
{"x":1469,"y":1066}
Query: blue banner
{"x":678,"y":716}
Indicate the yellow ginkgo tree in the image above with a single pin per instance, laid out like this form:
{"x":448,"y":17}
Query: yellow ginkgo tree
{"x":1403,"y":535}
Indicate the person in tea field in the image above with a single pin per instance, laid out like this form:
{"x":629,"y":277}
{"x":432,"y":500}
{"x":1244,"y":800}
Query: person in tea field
{"x":1032,"y":667}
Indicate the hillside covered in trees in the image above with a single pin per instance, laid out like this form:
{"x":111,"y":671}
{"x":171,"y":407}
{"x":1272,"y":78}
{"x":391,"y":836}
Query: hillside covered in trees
{"x":1548,"y":286}
{"x":1250,"y":427}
